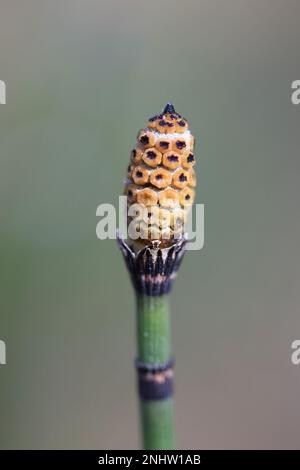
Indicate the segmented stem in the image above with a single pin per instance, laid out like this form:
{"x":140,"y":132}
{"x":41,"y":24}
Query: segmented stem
{"x":154,"y":348}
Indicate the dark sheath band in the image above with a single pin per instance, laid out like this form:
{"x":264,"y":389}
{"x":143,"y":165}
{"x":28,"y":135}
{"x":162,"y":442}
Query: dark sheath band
{"x":155,"y":381}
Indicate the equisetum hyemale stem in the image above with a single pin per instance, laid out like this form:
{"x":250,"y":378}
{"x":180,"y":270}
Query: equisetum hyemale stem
{"x":153,"y":334}
{"x":159,"y":188}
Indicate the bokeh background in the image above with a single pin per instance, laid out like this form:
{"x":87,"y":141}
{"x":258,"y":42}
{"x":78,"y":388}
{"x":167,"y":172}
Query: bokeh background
{"x":82,"y":77}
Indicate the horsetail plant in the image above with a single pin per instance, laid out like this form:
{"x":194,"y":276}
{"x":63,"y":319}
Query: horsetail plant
{"x":160,"y":190}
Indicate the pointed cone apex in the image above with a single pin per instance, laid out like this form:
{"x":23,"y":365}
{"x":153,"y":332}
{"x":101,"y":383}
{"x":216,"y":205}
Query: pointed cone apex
{"x":169,"y":109}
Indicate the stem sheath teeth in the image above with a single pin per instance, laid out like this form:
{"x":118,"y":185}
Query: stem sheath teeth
{"x":153,"y":270}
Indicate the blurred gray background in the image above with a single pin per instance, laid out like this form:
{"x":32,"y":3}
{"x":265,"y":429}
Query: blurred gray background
{"x":82,"y":77}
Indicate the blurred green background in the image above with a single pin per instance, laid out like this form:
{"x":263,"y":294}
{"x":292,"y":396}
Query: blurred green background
{"x":82,"y":77}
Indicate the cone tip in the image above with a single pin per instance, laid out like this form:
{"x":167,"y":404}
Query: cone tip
{"x":169,"y":109}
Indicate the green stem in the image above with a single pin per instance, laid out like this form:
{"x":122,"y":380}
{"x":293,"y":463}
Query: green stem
{"x":154,"y":347}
